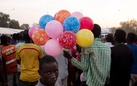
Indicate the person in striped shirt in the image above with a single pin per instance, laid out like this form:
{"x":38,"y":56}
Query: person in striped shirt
{"x":95,"y":60}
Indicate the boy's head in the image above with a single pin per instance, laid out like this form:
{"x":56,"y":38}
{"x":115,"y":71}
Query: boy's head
{"x":4,"y":40}
{"x":96,"y":31}
{"x":131,"y":37}
{"x":48,"y":70}
{"x":120,"y":35}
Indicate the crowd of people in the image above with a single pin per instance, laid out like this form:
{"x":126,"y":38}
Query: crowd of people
{"x":109,"y":63}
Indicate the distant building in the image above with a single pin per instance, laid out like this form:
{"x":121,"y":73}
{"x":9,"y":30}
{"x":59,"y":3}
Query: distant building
{"x":104,"y":32}
{"x":9,"y":31}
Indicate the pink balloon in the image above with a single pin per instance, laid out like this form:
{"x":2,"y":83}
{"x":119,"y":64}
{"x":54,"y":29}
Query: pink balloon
{"x":53,"y":29}
{"x":78,"y":15}
{"x":32,"y":29}
{"x":52,"y":47}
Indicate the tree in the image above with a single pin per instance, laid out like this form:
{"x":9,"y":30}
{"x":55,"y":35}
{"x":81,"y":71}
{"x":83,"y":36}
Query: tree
{"x":24,"y":26}
{"x":14,"y":24}
{"x":128,"y":26}
{"x":4,"y":19}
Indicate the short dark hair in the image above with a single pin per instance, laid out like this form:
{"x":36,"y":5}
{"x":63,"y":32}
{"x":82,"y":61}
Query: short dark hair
{"x":26,"y":35}
{"x":120,"y":35}
{"x":131,"y":37}
{"x":109,"y":38}
{"x":96,"y":30}
{"x":21,"y":35}
{"x":4,"y":39}
{"x":46,"y":60}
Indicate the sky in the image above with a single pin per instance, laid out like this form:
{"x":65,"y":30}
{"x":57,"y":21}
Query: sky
{"x":106,"y":13}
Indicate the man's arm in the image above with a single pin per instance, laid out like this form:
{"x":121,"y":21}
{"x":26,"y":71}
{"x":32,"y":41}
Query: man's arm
{"x":83,"y":64}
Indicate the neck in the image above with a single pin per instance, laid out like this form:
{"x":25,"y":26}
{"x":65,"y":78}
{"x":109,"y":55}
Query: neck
{"x":129,"y":42}
{"x":28,"y":41}
{"x":119,"y":43}
{"x":44,"y":83}
{"x":5,"y":44}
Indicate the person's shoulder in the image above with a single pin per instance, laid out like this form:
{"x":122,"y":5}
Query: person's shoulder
{"x":39,"y":83}
{"x":58,"y":82}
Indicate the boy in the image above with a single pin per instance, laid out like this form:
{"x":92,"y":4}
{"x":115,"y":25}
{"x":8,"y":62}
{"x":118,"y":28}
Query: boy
{"x":48,"y":70}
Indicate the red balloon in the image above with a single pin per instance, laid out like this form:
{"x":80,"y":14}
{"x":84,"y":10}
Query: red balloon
{"x":86,"y":23}
{"x":67,"y":39}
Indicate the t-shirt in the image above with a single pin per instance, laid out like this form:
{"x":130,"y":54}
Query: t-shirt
{"x":9,"y":56}
{"x":58,"y":83}
{"x":120,"y":65}
{"x":134,"y":53}
{"x":29,"y":55}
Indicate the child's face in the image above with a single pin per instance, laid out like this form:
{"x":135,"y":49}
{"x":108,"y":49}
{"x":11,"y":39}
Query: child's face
{"x":49,"y":73}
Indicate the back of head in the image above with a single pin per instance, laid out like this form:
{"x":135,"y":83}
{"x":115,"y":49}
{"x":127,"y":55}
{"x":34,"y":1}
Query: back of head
{"x":26,"y":35}
{"x":46,"y":60}
{"x":21,"y":35}
{"x":96,"y":31}
{"x":131,"y":37}
{"x":109,"y":38}
{"x":15,"y":36}
{"x":120,"y":35}
{"x":4,"y":40}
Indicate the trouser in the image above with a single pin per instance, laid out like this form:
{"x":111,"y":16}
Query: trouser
{"x":133,"y":79}
{"x":83,"y":83}
{"x":11,"y":79}
{"x":18,"y":78}
{"x":24,"y":83}
{"x":0,"y":83}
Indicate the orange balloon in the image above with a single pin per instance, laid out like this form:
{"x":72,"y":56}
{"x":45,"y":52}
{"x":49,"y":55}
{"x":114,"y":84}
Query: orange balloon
{"x":40,"y":37}
{"x":62,"y":15}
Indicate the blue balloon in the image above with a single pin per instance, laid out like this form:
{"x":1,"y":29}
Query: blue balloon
{"x":71,"y":24}
{"x":44,"y":20}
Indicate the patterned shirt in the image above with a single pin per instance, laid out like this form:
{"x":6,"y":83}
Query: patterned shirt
{"x":95,"y":63}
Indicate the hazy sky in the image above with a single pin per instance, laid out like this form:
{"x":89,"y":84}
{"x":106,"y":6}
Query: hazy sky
{"x":107,"y":13}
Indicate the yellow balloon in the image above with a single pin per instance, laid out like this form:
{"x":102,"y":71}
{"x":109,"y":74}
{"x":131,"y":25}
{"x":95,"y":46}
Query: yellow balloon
{"x":84,"y":37}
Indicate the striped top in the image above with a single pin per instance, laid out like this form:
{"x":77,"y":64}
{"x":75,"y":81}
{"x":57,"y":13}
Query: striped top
{"x":95,"y":63}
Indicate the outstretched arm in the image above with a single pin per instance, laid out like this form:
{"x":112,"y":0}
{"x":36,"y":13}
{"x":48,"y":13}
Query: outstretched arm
{"x":83,"y":64}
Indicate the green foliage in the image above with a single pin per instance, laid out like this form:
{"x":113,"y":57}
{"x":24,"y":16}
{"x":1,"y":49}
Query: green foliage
{"x":14,"y":24}
{"x":128,"y":26}
{"x":25,"y":26}
{"x":4,"y":20}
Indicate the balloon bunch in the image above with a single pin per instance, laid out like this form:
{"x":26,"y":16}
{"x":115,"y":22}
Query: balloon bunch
{"x":64,"y":30}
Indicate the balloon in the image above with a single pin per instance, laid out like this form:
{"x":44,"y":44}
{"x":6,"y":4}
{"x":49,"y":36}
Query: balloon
{"x":67,"y":39}
{"x":87,"y":23}
{"x":78,"y":15}
{"x":62,"y":15}
{"x":53,"y":48}
{"x":84,"y":37}
{"x":44,"y":20}
{"x":40,"y":37}
{"x":32,"y":29}
{"x":53,"y":29}
{"x":71,"y":24}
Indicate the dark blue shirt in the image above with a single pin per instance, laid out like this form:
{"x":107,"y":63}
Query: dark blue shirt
{"x":134,"y":53}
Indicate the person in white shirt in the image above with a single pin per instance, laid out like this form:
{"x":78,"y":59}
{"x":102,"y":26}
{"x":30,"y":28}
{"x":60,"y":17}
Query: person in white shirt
{"x":63,"y":68}
{"x":109,"y":40}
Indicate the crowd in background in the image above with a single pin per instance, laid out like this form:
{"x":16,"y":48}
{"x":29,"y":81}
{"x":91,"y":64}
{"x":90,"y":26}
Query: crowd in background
{"x":111,"y":62}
